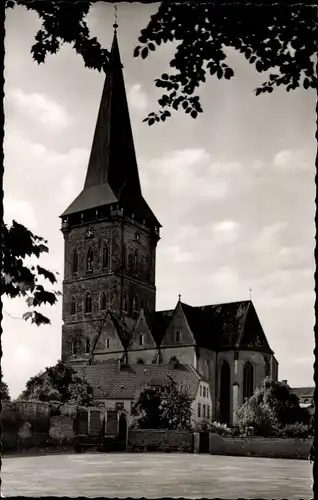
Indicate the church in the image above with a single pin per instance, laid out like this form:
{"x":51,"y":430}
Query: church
{"x":112,"y":333}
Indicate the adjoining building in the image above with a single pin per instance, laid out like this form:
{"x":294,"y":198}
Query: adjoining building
{"x":109,"y":291}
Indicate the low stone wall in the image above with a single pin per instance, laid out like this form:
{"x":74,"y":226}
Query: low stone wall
{"x":260,"y":447}
{"x":159,"y":440}
{"x":39,"y":425}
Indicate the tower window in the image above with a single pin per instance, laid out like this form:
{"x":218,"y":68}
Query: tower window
{"x":103,"y":302}
{"x":89,"y":260}
{"x":204,"y":392}
{"x":75,"y":347}
{"x":178,"y":336}
{"x":87,"y":346}
{"x":125,"y":302}
{"x":75,"y":262}
{"x":107,"y":343}
{"x":135,"y":304}
{"x":199,"y":410}
{"x":105,"y":256}
{"x":141,"y":339}
{"x":208,"y":411}
{"x":203,"y":411}
{"x":73,"y":306}
{"x":136,"y":260}
{"x":88,"y":303}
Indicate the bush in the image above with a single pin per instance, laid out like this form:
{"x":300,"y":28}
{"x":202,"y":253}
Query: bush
{"x":297,"y":430}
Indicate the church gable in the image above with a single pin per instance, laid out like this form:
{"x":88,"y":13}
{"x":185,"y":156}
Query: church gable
{"x":252,"y":334}
{"x":178,"y":332}
{"x":110,"y":338}
{"x":141,"y":337}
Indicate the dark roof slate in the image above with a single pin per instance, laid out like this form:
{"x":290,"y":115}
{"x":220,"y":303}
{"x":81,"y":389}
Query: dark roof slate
{"x":109,"y":382}
{"x":222,"y":326}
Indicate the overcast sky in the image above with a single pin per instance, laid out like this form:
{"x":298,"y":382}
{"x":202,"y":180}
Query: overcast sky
{"x":233,"y":190}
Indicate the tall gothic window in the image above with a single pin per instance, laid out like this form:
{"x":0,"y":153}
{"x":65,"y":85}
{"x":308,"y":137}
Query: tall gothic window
{"x":125,"y":302}
{"x":103,"y":302}
{"x":89,"y":260}
{"x":75,"y":262}
{"x":87,"y":346}
{"x":75,"y":347}
{"x":73,"y":306}
{"x":105,"y":256}
{"x":135,"y":304}
{"x":248,"y":385}
{"x":88,"y":303}
{"x":124,"y":257}
{"x":136,"y":260}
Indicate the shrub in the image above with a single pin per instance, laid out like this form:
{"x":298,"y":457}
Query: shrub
{"x":297,"y":430}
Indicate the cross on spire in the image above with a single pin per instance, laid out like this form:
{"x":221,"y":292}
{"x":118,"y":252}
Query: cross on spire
{"x":115,"y":25}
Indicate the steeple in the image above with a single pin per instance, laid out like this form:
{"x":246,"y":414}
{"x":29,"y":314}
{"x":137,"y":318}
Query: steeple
{"x":112,"y":174}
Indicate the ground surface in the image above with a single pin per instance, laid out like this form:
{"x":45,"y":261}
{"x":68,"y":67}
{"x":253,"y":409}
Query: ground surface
{"x":155,"y":475}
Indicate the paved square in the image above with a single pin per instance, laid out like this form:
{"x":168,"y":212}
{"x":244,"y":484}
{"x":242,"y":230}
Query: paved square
{"x":155,"y":475}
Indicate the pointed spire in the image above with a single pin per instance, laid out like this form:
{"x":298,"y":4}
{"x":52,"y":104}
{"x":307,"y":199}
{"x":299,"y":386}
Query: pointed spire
{"x":112,"y":174}
{"x":113,"y":158}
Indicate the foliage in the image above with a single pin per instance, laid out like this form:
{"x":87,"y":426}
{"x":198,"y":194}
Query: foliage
{"x":175,"y":407}
{"x":166,"y":407}
{"x":279,"y":39}
{"x":59,"y":383}
{"x":4,"y":389}
{"x":217,"y":427}
{"x":282,"y":39}
{"x":147,"y":409}
{"x":19,"y":279}
{"x":297,"y":430}
{"x":271,"y":408}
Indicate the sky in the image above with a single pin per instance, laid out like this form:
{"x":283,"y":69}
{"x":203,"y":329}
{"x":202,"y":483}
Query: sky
{"x":234,"y":189}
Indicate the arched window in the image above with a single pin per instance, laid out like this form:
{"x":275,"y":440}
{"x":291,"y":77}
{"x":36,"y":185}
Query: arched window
{"x":87,"y":346}
{"x":73,"y":306}
{"x":125,"y":302}
{"x":136,"y":260}
{"x":75,"y":262}
{"x":105,"y":256}
{"x":267,"y":367}
{"x":124,"y":257}
{"x":103,"y":302}
{"x":88,"y":303}
{"x":135,"y":304}
{"x":75,"y":346}
{"x":89,"y":260}
{"x":248,"y":385}
{"x":140,"y":361}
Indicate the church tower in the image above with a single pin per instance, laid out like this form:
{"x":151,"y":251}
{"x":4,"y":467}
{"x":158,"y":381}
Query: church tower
{"x":110,"y":232}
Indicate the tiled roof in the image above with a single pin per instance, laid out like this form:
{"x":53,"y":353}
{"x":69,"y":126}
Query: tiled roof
{"x":303,"y":392}
{"x":110,"y":383}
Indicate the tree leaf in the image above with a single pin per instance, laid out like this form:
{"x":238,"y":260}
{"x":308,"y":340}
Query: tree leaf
{"x":144,"y":52}
{"x":137,"y":51}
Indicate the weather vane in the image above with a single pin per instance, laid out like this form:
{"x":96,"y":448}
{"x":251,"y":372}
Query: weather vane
{"x":179,"y":297}
{"x":250,"y":294}
{"x":116,"y":18}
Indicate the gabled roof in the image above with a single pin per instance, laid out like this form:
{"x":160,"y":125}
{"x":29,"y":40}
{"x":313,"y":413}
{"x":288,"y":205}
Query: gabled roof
{"x":112,"y":174}
{"x":109,"y":382}
{"x":222,"y":326}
